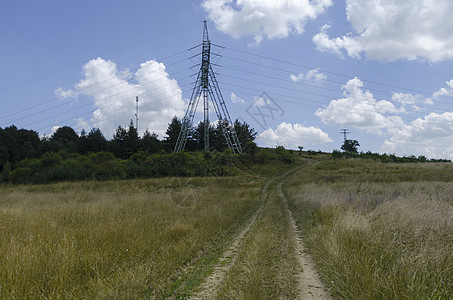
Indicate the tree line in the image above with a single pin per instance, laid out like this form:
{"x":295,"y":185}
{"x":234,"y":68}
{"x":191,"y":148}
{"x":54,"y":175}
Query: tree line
{"x":66,"y":155}
{"x":19,"y":144}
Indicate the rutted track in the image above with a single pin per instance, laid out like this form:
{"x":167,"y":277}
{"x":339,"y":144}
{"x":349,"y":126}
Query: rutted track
{"x":308,"y":283}
{"x":208,"y":289}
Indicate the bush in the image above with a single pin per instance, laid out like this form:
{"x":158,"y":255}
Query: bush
{"x":20,"y":175}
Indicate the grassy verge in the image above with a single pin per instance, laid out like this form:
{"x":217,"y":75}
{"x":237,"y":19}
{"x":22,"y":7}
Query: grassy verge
{"x":123,"y":239}
{"x":378,"y":231}
{"x":266,"y":266}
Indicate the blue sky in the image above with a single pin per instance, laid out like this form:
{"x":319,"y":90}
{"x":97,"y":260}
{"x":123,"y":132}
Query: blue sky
{"x":297,"y":71}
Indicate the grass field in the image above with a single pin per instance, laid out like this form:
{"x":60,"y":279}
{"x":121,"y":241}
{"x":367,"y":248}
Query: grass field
{"x":378,"y":231}
{"x":125,"y":239}
{"x":374,"y":231}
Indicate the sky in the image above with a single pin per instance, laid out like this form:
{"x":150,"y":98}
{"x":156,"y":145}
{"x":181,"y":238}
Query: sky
{"x":298,"y":71}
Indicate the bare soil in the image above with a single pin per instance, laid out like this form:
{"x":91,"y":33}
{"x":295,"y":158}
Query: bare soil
{"x":309,"y":283}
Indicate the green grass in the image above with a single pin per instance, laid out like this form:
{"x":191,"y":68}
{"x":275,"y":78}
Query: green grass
{"x":378,"y":231}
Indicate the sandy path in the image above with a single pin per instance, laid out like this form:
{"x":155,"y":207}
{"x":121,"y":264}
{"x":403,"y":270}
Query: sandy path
{"x":309,"y":283}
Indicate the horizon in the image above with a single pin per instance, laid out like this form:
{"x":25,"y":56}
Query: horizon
{"x":298,"y":73}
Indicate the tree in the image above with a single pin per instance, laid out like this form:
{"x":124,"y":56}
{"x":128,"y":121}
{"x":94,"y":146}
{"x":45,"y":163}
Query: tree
{"x":214,"y":141}
{"x":17,"y":144}
{"x":82,"y":145}
{"x":244,"y":132}
{"x":125,"y":141}
{"x":150,"y":142}
{"x":65,"y":138}
{"x":96,"y":141}
{"x":300,"y":149}
{"x":350,"y":146}
{"x":172,"y":134}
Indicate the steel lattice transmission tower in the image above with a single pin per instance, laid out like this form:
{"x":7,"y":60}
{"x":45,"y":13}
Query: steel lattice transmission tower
{"x":207,"y":88}
{"x":345,"y":132}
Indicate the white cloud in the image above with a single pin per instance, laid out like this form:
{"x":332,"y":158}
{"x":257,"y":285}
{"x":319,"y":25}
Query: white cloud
{"x":292,"y":136}
{"x":431,"y":136}
{"x":236,"y":99}
{"x":360,"y":109}
{"x":314,"y":74}
{"x":263,"y":18}
{"x":324,"y":43}
{"x":54,"y":129}
{"x":82,"y":124}
{"x":113,"y":93}
{"x":445,"y":91}
{"x":298,"y":77}
{"x":62,"y":93}
{"x":409,"y":100}
{"x":261,"y":102}
{"x":390,"y":30}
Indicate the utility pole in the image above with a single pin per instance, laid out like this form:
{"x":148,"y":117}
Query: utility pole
{"x":344,"y":132}
{"x":136,"y":113}
{"x":207,"y":88}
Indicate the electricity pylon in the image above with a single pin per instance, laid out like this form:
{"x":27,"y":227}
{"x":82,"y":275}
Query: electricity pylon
{"x":207,"y":88}
{"x":344,"y":132}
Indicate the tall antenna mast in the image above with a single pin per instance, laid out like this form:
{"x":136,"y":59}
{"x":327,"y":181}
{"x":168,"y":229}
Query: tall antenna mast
{"x":136,"y":113}
{"x":206,"y":87}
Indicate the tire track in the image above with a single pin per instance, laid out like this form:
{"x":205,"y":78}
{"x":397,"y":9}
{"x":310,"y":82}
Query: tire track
{"x":309,"y":283}
{"x":208,"y":290}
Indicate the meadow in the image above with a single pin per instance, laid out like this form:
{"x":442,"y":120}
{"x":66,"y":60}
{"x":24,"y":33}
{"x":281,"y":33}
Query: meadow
{"x":374,"y":231}
{"x":378,"y":231}
{"x":119,"y":239}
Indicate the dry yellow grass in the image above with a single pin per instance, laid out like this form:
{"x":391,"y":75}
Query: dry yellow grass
{"x":123,"y":239}
{"x":375,"y":231}
{"x":377,"y":237}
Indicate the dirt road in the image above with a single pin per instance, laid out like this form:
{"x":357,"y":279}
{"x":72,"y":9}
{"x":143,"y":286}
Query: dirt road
{"x":307,"y":282}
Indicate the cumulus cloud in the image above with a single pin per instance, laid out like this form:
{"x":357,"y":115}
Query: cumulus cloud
{"x":409,"y":100}
{"x":236,"y":99}
{"x":263,"y":18}
{"x":292,"y":136}
{"x":63,"y":93}
{"x":390,"y":30}
{"x":314,"y":74}
{"x":360,"y":109}
{"x":445,"y":91}
{"x":113,"y":94}
{"x":431,"y":136}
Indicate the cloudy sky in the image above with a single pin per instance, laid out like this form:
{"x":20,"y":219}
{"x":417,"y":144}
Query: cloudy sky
{"x":298,"y":71}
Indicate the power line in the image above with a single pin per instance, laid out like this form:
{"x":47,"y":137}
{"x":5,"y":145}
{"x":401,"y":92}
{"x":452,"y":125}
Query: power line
{"x":310,"y":45}
{"x":104,"y":99}
{"x":116,"y":112}
{"x":86,"y":96}
{"x":311,"y":85}
{"x":103,"y":54}
{"x":89,"y":87}
{"x":327,"y":71}
{"x":316,"y":104}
